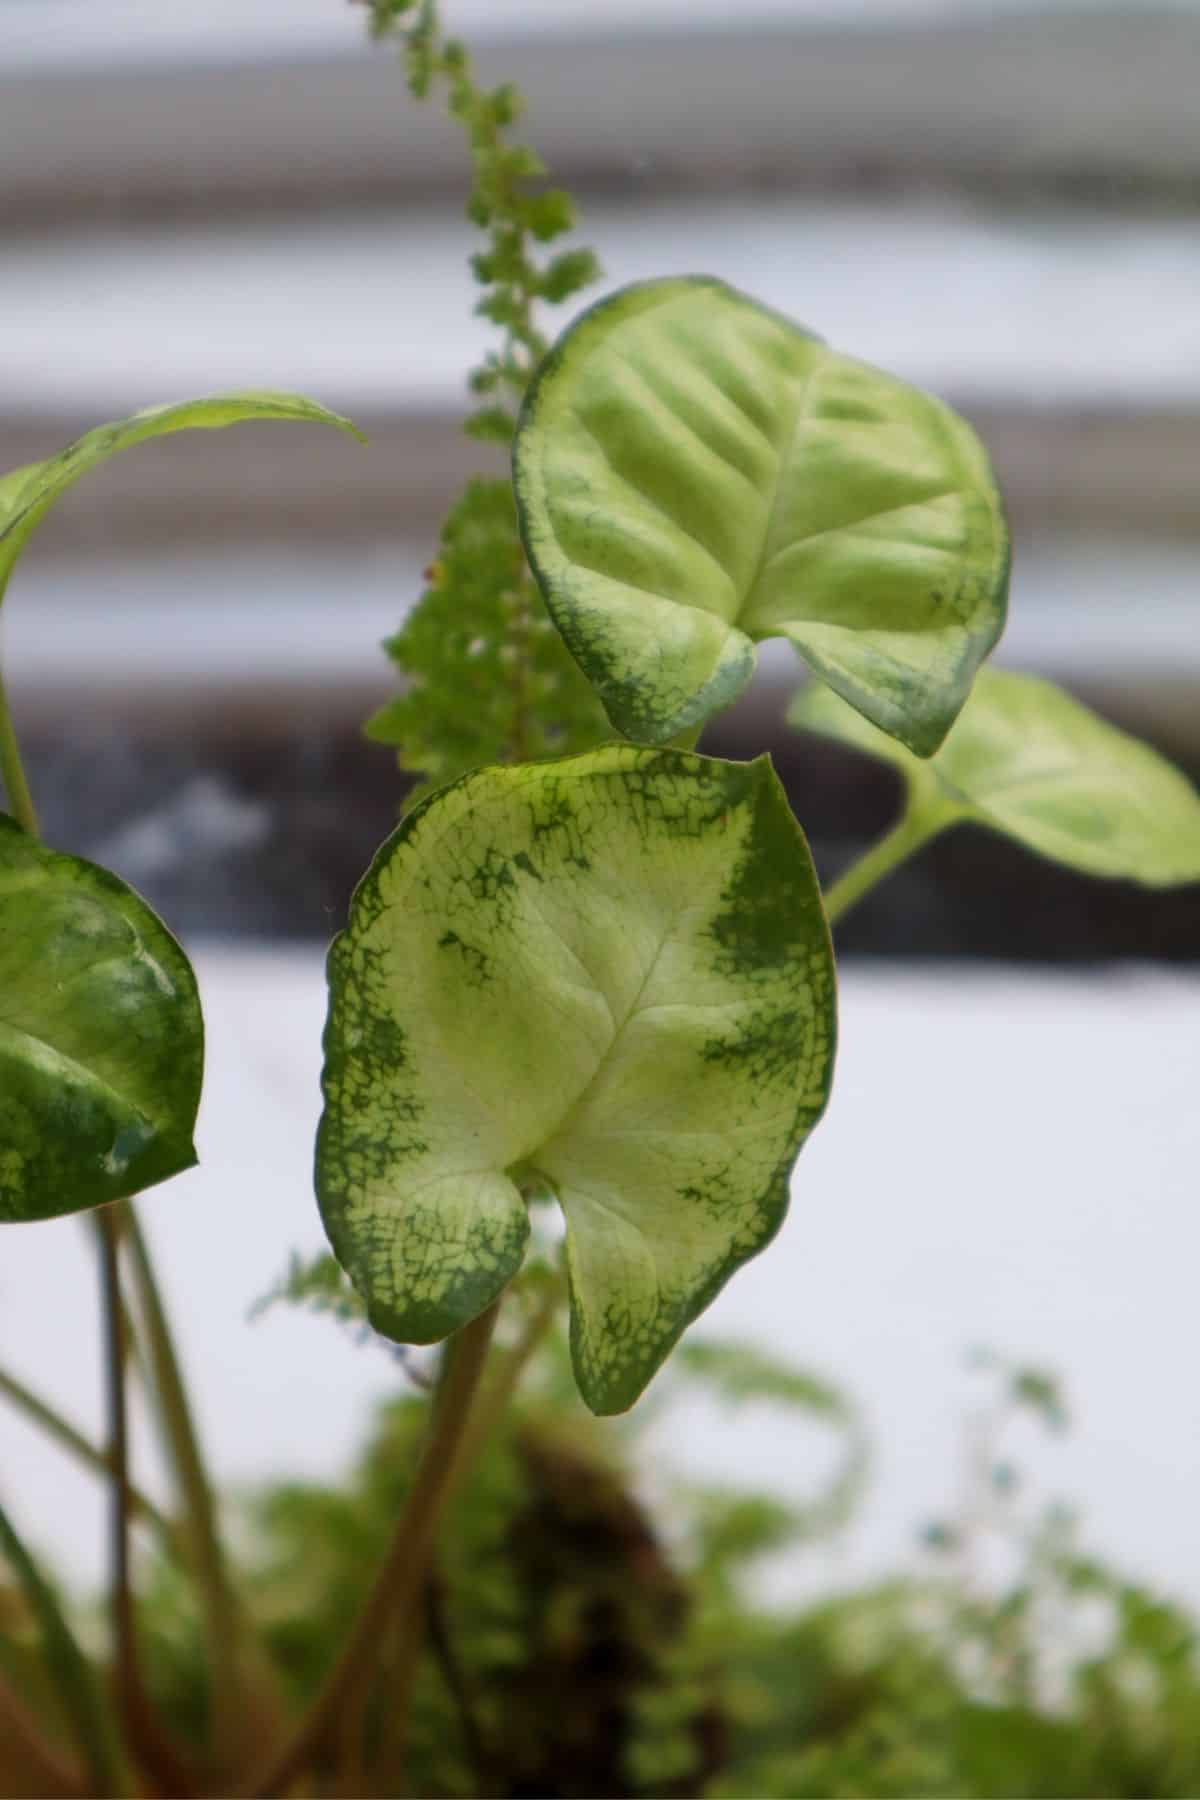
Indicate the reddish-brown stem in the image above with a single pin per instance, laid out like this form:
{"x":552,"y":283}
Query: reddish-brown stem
{"x":398,"y":1584}
{"x":144,"y":1734}
{"x":38,"y":1756}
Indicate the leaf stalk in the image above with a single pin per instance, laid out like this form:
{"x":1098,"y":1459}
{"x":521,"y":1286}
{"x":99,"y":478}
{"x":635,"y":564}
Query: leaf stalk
{"x":12,"y":769}
{"x":494,"y":1398}
{"x":145,"y":1735}
{"x":73,"y":1441}
{"x":195,"y":1490}
{"x":910,"y":834}
{"x":67,"y":1668}
{"x":53,"y":1773}
{"x":399,"y":1583}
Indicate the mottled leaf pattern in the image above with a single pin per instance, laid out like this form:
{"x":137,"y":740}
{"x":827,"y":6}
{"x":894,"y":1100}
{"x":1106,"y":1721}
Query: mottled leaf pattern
{"x":694,"y":473}
{"x":101,"y":1039}
{"x":1035,"y":764}
{"x":608,"y":975}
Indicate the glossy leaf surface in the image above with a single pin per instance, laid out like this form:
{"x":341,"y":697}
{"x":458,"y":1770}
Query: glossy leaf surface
{"x":694,"y":473}
{"x":1030,"y":761}
{"x":609,"y":976}
{"x":101,"y":1039}
{"x":27,"y":494}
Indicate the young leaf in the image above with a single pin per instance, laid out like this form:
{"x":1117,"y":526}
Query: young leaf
{"x":694,"y":473}
{"x":1033,"y":763}
{"x":27,"y":494}
{"x":609,"y":976}
{"x":101,"y":1039}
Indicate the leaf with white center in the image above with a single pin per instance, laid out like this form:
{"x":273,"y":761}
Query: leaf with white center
{"x":694,"y":473}
{"x":101,"y":1038}
{"x":1031,"y":762}
{"x":609,"y":977}
{"x":27,"y":494}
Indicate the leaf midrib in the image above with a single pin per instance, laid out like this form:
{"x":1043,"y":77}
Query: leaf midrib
{"x":606,"y":1057}
{"x":783,"y":443}
{"x":802,"y":412}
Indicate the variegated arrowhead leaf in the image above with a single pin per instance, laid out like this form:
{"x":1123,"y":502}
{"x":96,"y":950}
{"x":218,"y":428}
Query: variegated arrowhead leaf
{"x":1035,"y":764}
{"x":694,"y":473}
{"x":609,"y":976}
{"x":27,"y":494}
{"x":101,"y":1038}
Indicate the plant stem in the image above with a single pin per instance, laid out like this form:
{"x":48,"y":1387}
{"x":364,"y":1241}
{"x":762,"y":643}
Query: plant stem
{"x":457,"y":1684}
{"x":399,"y":1665}
{"x":62,"y":1653}
{"x":508,"y":1367}
{"x":398,"y":1584}
{"x":53,"y":1774}
{"x":914,"y":829}
{"x":493,"y":1401}
{"x":67,"y":1667}
{"x":142,"y":1728}
{"x":118,"y":1341}
{"x":196,"y":1494}
{"x":518,"y":641}
{"x":174,"y":1412}
{"x":72,"y":1440}
{"x":13,"y":770}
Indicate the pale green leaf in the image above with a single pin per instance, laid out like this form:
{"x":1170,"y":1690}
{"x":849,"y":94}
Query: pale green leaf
{"x":12,"y":485}
{"x":610,"y":977}
{"x":694,"y":474}
{"x":27,"y":494}
{"x":101,"y":1039}
{"x":1035,"y":764}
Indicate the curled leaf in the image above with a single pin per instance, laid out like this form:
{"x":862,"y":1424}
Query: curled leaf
{"x":27,"y":494}
{"x":694,"y":473}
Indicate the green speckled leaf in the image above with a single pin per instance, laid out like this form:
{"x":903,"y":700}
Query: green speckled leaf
{"x":1030,"y":761}
{"x":694,"y":473}
{"x":101,"y":1039}
{"x":27,"y":494}
{"x":609,"y":976}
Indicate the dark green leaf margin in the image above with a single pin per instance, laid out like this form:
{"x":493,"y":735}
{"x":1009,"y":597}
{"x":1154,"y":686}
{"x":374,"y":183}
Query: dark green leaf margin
{"x":695,"y":473}
{"x":101,"y":1037}
{"x":607,"y":977}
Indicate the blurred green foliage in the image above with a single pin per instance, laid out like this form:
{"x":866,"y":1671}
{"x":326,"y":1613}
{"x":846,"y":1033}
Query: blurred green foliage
{"x":489,"y":678}
{"x":581,"y":1639}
